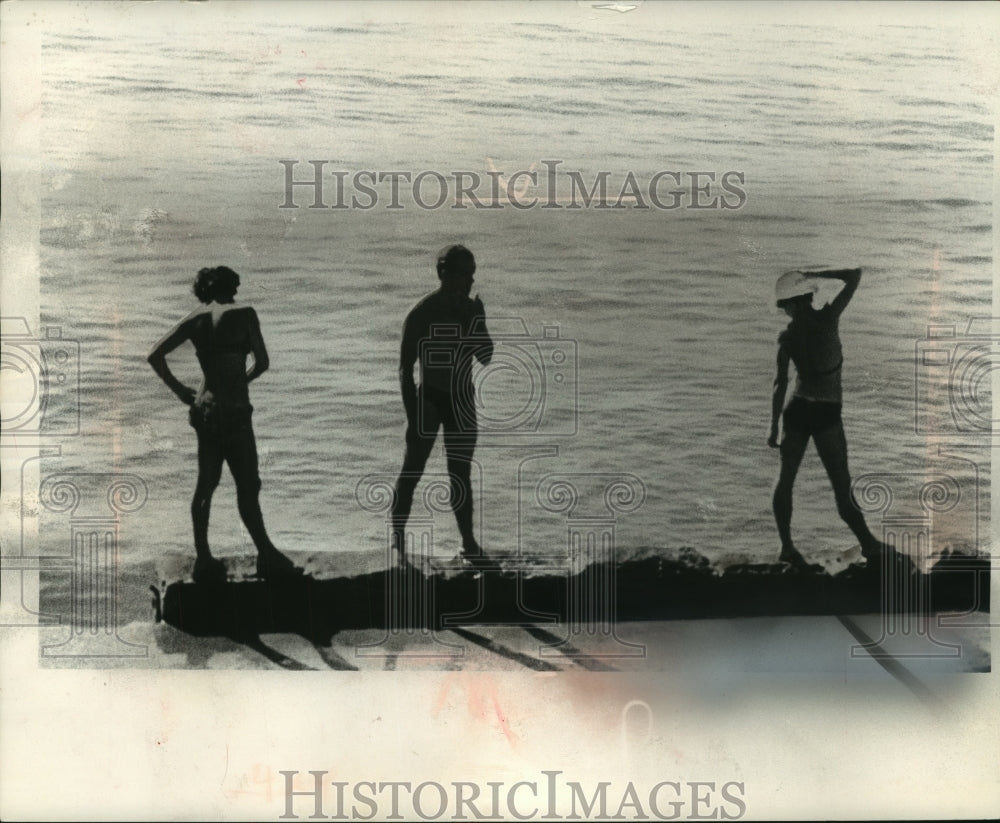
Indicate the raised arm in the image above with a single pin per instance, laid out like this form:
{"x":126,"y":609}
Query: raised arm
{"x":778,"y":397}
{"x":261,"y":362}
{"x":851,"y":278}
{"x":158,"y":360}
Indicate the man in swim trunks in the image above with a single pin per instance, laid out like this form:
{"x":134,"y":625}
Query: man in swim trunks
{"x":223,"y":335}
{"x":812,"y":342}
{"x":446,"y":332}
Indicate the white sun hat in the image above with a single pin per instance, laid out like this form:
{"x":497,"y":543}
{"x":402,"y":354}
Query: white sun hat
{"x":794,"y":284}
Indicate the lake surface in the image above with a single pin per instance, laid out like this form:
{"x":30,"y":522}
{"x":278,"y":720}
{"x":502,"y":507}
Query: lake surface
{"x":870,"y":147}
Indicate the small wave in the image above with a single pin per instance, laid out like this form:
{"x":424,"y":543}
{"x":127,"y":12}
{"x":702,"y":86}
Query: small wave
{"x":974,"y":259}
{"x":599,"y":81}
{"x":552,"y":28}
{"x":182,"y":91}
{"x":921,"y":102}
{"x":973,"y":298}
{"x":84,"y":38}
{"x":927,"y":205}
{"x":335,"y":30}
{"x":956,"y":202}
{"x":893,"y":145}
{"x":922,"y":57}
{"x":752,"y":217}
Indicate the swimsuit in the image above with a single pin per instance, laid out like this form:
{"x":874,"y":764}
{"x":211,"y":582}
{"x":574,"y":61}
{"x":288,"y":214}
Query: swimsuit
{"x":810,"y":417}
{"x":813,"y":344}
{"x":210,"y":418}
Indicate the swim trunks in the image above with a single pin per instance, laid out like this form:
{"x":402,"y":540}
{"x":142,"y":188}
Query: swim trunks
{"x":210,"y":418}
{"x":810,"y":417}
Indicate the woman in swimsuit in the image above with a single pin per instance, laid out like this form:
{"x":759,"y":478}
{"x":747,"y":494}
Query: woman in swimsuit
{"x":812,"y":343}
{"x":223,"y":335}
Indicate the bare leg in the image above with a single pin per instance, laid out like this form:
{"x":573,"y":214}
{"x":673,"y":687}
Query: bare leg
{"x":209,"y":473}
{"x":832,"y":447}
{"x":241,"y":455}
{"x":793,"y":447}
{"x":459,"y":450}
{"x":419,"y":443}
{"x":460,"y":431}
{"x":206,"y":567}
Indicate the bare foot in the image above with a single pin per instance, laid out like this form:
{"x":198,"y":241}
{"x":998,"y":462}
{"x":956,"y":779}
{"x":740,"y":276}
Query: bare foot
{"x":273,"y":564}
{"x":791,"y":555}
{"x":209,"y":570}
{"x":474,"y":556}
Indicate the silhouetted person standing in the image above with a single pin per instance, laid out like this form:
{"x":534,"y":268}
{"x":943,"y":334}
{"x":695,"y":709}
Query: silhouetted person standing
{"x":223,"y":335}
{"x":446,"y":333}
{"x":812,"y":342}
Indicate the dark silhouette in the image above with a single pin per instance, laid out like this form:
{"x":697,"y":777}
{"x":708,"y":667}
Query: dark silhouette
{"x":223,"y":335}
{"x":446,"y":332}
{"x":812,"y":342}
{"x":652,"y":588}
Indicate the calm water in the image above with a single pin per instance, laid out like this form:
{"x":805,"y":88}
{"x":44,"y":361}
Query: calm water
{"x":162,"y":151}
